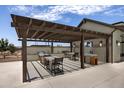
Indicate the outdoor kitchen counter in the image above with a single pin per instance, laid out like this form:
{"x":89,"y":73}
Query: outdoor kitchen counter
{"x":90,"y":55}
{"x":93,"y":58}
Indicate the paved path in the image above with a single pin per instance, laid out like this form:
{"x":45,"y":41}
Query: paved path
{"x":107,"y":75}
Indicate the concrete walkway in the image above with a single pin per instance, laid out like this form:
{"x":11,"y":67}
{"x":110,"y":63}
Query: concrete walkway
{"x":106,"y":75}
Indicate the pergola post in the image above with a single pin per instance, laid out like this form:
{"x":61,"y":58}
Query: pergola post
{"x":24,"y":58}
{"x":112,"y":48}
{"x":71,"y":47}
{"x":107,"y":50}
{"x":52,"y":47}
{"x":82,"y":51}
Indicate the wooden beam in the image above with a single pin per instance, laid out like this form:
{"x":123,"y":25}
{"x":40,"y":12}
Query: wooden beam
{"x":62,"y":39}
{"x":52,"y":48}
{"x":71,"y":47}
{"x":55,"y":36}
{"x":43,"y":24}
{"x":36,"y":32}
{"x":14,"y":20}
{"x":47,"y":29}
{"x":107,"y":50}
{"x":82,"y":51}
{"x":43,"y":34}
{"x":65,"y":27}
{"x":30,"y":22}
{"x":54,"y":26}
{"x":112,"y":48}
{"x":39,"y":40}
{"x":24,"y":58}
{"x":50,"y":35}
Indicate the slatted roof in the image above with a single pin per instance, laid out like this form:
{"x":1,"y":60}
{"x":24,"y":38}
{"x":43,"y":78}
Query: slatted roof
{"x":35,"y":29}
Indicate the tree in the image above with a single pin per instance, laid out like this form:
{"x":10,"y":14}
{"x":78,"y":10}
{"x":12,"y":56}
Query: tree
{"x":12,"y":48}
{"x":3,"y":46}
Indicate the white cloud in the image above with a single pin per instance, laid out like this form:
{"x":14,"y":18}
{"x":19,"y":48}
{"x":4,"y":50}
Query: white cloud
{"x":116,"y":12}
{"x":80,"y":10}
{"x":54,"y":13}
{"x":19,"y":8}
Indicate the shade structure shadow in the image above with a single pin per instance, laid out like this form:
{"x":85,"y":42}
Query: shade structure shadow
{"x":37,"y":71}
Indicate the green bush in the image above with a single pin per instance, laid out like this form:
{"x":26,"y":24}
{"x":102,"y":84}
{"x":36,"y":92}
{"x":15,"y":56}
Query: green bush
{"x":11,"y":48}
{"x":5,"y":46}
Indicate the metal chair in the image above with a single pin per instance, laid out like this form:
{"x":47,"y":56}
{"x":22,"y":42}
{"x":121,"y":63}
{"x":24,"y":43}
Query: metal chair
{"x":44,"y":61}
{"x":75,"y":56}
{"x":57,"y":65}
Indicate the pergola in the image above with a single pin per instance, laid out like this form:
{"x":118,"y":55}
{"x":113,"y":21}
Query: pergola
{"x":29,"y":29}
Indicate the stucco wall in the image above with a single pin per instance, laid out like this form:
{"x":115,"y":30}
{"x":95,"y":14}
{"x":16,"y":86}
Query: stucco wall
{"x":33,"y":51}
{"x":116,"y":48}
{"x":100,"y":28}
{"x":100,"y":51}
{"x":60,"y":49}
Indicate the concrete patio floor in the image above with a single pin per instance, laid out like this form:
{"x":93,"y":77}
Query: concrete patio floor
{"x":37,"y":71}
{"x":105,"y":76}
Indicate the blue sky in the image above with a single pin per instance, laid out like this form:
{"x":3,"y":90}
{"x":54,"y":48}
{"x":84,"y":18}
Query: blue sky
{"x":70,"y":15}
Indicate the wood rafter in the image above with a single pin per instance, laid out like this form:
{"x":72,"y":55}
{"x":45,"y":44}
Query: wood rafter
{"x":54,"y":26}
{"x":30,"y":22}
{"x":56,"y":36}
{"x":50,"y":35}
{"x":64,"y":39}
{"x":61,"y":40}
{"x":43,"y":34}
{"x":46,"y":29}
{"x":14,"y":19}
{"x":43,"y":24}
{"x":36,"y":32}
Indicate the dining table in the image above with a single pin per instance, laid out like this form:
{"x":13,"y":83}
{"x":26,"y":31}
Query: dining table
{"x":70,"y":54}
{"x":51,"y":59}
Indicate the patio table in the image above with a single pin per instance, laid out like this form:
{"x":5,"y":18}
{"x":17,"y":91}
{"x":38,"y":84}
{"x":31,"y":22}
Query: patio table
{"x":51,"y":60}
{"x":70,"y":54}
